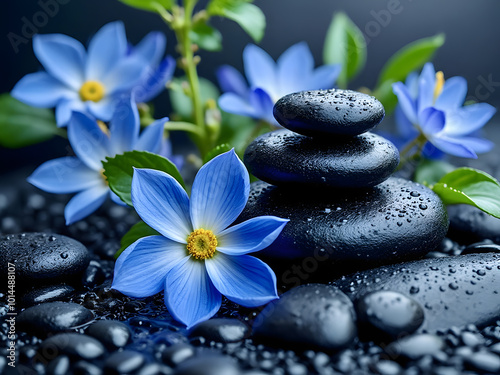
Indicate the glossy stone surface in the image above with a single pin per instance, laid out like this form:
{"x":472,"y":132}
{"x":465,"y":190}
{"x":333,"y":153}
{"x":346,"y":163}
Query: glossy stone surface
{"x":111,"y":333}
{"x":74,"y":345}
{"x":42,"y":258}
{"x":393,"y":221}
{"x":313,"y":315}
{"x":454,"y":291}
{"x":469,"y":224}
{"x":124,"y":362}
{"x":221,"y":330}
{"x":53,"y":317}
{"x":328,"y":112}
{"x":49,"y":293}
{"x":285,"y":158}
{"x":416,"y":346}
{"x":209,"y":365}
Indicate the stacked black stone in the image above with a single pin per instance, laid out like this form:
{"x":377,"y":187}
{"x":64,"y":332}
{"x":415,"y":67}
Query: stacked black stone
{"x":331,"y":177}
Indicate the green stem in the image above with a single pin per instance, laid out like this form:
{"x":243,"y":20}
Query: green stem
{"x":183,"y":126}
{"x":405,"y":155}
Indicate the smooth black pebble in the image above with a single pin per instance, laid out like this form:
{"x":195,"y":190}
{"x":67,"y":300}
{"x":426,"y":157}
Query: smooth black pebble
{"x":208,"y":365}
{"x":124,"y":362}
{"x":221,"y":330}
{"x":113,"y":334}
{"x":415,"y":346}
{"x":74,"y":345}
{"x":49,"y":293}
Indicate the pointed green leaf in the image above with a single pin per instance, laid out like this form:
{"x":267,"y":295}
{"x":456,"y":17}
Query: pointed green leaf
{"x":410,"y":58}
{"x":138,"y":230}
{"x":429,"y":172}
{"x":248,"y":16}
{"x":206,"y":37}
{"x":220,"y":149}
{"x":120,"y":169}
{"x":22,"y":125}
{"x":472,"y":187}
{"x":149,"y":5}
{"x":345,"y":45}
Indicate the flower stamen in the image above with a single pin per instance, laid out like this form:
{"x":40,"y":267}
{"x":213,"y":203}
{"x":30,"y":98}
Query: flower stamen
{"x":92,"y":90}
{"x":438,"y":87}
{"x":201,"y":244}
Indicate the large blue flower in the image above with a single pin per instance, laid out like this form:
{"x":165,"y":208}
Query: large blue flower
{"x":92,"y":142}
{"x":92,"y":82}
{"x":433,"y":108}
{"x":269,"y":81}
{"x":197,"y":257}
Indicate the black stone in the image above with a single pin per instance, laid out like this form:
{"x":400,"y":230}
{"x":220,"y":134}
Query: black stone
{"x":314,"y":315}
{"x":454,"y":291}
{"x":155,"y":369}
{"x":93,"y":275}
{"x":58,"y":366}
{"x":49,"y":293}
{"x":391,"y":222}
{"x":53,"y":317}
{"x":42,"y":258}
{"x":124,"y":362}
{"x":469,"y":224}
{"x":328,"y":112}
{"x":208,"y":365}
{"x":74,"y":345}
{"x":285,"y":158}
{"x":177,"y":353}
{"x":482,"y":247}
{"x":113,"y":334}
{"x":385,"y":313}
{"x":221,"y":330}
{"x":415,"y":346}
{"x":484,"y":361}
{"x":86,"y":368}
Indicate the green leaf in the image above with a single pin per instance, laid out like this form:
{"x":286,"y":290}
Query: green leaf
{"x":410,"y":58}
{"x":220,"y":149}
{"x":470,"y":186}
{"x":120,"y":169}
{"x":149,"y":5}
{"x":138,"y":230}
{"x":345,"y":45}
{"x":181,"y":104}
{"x":206,"y":37}
{"x":429,"y":172}
{"x":22,"y":125}
{"x":248,"y":16}
{"x":236,"y":130}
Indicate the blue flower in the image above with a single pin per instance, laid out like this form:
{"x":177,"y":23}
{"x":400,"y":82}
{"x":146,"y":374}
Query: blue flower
{"x":432,"y":109}
{"x":92,"y":82}
{"x":269,"y":81}
{"x":197,"y":258}
{"x":92,"y":142}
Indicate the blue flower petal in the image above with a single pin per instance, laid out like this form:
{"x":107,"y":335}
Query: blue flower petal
{"x":85,"y":203}
{"x":412,"y":84}
{"x":151,"y":48}
{"x":220,"y":192}
{"x":190,"y":296}
{"x":262,"y":104}
{"x":89,"y":142}
{"x":65,"y":108}
{"x":453,"y":146}
{"x":62,"y":56}
{"x":478,"y":145}
{"x":260,"y":68}
{"x":324,"y":77}
{"x":152,"y":137}
{"x":64,"y":175}
{"x":155,"y":80}
{"x":404,"y":127}
{"x":124,"y":126}
{"x":243,"y":279}
{"x":162,"y":203}
{"x":232,"y":103}
{"x":251,"y":235}
{"x":141,"y":270}
{"x":116,"y":199}
{"x":468,"y":119}
{"x":453,"y":94}
{"x":408,"y":105}
{"x":426,"y":85}
{"x":103,"y":109}
{"x":294,"y":68}
{"x":431,"y":120}
{"x":124,"y":76}
{"x":41,"y":90}
{"x":107,"y":47}
{"x":231,"y":80}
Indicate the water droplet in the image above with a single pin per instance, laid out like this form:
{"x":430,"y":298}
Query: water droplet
{"x":414,"y":290}
{"x":64,"y":255}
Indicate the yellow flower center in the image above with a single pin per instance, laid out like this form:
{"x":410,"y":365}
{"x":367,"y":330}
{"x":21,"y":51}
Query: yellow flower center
{"x":201,"y":244}
{"x":92,"y":90}
{"x":438,"y":87}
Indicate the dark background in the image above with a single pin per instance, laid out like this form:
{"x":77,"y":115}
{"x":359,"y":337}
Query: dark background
{"x":472,"y":47}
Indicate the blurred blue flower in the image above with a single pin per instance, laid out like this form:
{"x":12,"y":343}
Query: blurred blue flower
{"x":197,"y":257}
{"x":269,"y":81}
{"x":92,"y":142}
{"x":92,"y":82}
{"x":432,"y":108}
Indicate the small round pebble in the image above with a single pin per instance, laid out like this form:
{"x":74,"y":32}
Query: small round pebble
{"x":74,"y":345}
{"x":177,"y":353}
{"x":124,"y":362}
{"x":208,"y":365}
{"x":113,"y":334}
{"x":221,"y":330}
{"x":59,"y":366}
{"x":484,"y":362}
{"x":86,"y":368}
{"x":328,"y":112}
{"x":416,"y":346}
{"x":49,"y":293}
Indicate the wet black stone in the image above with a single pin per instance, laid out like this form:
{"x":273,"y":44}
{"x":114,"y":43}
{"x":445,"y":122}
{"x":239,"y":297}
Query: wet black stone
{"x":42,"y":258}
{"x":415,"y":346}
{"x":394,"y":221}
{"x":113,"y":334}
{"x":86,"y":368}
{"x":386,"y":367}
{"x":385,"y":314}
{"x":208,"y":365}
{"x":49,"y":293}
{"x":74,"y":345}
{"x":124,"y":362}
{"x":221,"y":330}
{"x":177,"y":353}
{"x":59,"y":366}
{"x":53,"y":317}
{"x":484,"y":361}
{"x":155,"y":369}
{"x":329,"y":112}
{"x":469,"y":224}
{"x":313,"y":315}
{"x":284,"y":158}
{"x":454,"y":291}
{"x":93,"y":275}
{"x":482,"y":247}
